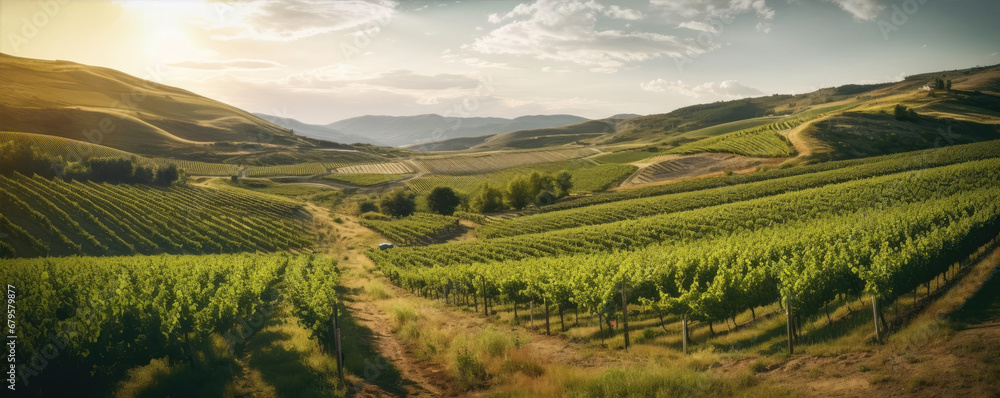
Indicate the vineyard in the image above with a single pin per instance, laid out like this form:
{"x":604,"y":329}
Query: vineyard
{"x":905,"y":161}
{"x":363,"y":179}
{"x":301,"y":169}
{"x":756,"y":142}
{"x":375,"y":168}
{"x":587,"y":176}
{"x":704,"y":222}
{"x":110,"y":314}
{"x":876,"y":229}
{"x":644,"y":207}
{"x":491,"y":162}
{"x":414,"y":229}
{"x":73,"y":150}
{"x":629,"y":156}
{"x":760,"y":141}
{"x":56,"y":218}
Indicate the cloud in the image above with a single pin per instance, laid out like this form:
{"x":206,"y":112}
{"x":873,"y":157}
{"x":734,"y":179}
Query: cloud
{"x":227,"y":65}
{"x":567,"y":31}
{"x":728,"y":88}
{"x":699,"y":14}
{"x":617,"y":12}
{"x":699,"y":26}
{"x":274,"y":20}
{"x":862,"y":10}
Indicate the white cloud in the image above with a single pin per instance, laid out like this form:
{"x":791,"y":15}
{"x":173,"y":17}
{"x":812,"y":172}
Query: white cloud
{"x":699,"y":26}
{"x":862,"y":10}
{"x":728,"y":88}
{"x":623,"y":13}
{"x":284,"y":20}
{"x":566,"y":31}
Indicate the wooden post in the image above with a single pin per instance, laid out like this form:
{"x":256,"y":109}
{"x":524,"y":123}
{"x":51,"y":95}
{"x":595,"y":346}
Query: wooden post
{"x":336,"y":337}
{"x":684,"y":333}
{"x":788,"y":326}
{"x":546,"y":301}
{"x":486,"y":308}
{"x":625,"y":315}
{"x":875,"y":317}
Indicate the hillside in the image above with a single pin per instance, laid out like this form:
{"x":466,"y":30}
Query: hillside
{"x":411,"y":130}
{"x":64,"y":99}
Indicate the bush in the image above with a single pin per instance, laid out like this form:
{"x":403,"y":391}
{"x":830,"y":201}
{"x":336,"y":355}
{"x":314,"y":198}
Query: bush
{"x":371,"y":215}
{"x":443,"y":200}
{"x":398,"y":203}
{"x":367,"y":206}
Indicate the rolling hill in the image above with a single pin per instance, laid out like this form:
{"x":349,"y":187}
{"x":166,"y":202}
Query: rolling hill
{"x":112,"y":108}
{"x":410,"y":130}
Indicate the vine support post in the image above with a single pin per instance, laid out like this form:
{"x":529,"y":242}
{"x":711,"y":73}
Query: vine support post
{"x":531,"y":313}
{"x":625,"y":314}
{"x":684,"y":333}
{"x":336,"y":340}
{"x":545,"y":300}
{"x":875,"y":317}
{"x":788,"y":326}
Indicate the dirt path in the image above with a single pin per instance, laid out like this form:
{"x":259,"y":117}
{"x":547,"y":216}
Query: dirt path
{"x":426,"y":378}
{"x":795,"y":137}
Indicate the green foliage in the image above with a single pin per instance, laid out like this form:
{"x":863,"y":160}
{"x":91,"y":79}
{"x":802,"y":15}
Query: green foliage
{"x":899,"y":162}
{"x":413,"y":229}
{"x":19,"y":156}
{"x":883,"y":236}
{"x":312,"y":282}
{"x":105,"y":219}
{"x":443,"y":200}
{"x":518,"y":193}
{"x":487,"y":199}
{"x":902,"y":113}
{"x":398,"y":203}
{"x":106,"y":315}
{"x":367,"y":206}
{"x":363,"y":179}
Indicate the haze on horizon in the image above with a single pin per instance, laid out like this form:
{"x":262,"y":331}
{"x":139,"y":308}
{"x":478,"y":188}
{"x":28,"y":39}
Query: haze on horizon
{"x":323,"y":61}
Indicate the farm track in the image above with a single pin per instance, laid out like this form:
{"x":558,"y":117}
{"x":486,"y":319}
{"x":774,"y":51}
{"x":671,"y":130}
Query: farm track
{"x":428,"y":378}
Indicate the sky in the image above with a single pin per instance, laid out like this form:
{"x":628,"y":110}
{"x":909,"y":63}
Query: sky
{"x":324,"y":61}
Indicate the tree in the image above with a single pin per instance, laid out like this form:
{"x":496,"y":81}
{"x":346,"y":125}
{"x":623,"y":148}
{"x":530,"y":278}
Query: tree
{"x":487,"y":199}
{"x":398,"y":203}
{"x":167,"y":175}
{"x":443,"y":200}
{"x":518,"y":193}
{"x":903,"y":113}
{"x":563,"y":183}
{"x":947,"y":85}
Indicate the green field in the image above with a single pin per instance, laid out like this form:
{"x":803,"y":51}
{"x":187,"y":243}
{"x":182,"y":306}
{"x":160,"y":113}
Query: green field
{"x":363,"y":179}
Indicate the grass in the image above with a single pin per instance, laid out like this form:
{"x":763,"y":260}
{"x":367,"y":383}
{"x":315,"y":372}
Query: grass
{"x":288,"y":190}
{"x":376,"y":291}
{"x":363,"y":179}
{"x":628,"y":156}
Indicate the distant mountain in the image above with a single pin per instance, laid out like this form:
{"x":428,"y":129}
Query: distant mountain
{"x":316,"y":131}
{"x":411,"y":130}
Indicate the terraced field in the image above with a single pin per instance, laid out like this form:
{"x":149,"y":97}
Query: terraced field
{"x":677,"y":167}
{"x":302,"y":169}
{"x":375,"y":168}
